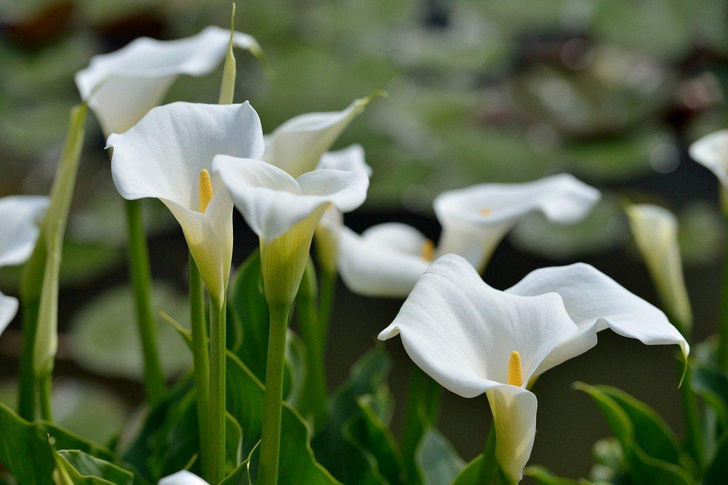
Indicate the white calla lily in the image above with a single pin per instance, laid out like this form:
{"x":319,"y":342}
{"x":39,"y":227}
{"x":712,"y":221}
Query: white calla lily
{"x":655,"y":233}
{"x":473,"y":339}
{"x":182,"y":478}
{"x":20,"y":217}
{"x":385,"y":261}
{"x":284,"y":211}
{"x":168,"y":155}
{"x":121,"y":87}
{"x":475,"y":219}
{"x":711,"y":151}
{"x":349,"y":159}
{"x":297,"y":146}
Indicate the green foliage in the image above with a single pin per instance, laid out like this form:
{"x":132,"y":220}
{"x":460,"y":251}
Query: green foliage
{"x":542,"y":476}
{"x":84,"y":469}
{"x":651,"y":452}
{"x":437,"y":461}
{"x":717,"y":471}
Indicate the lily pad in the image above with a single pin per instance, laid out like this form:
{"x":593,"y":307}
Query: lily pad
{"x":104,"y":336}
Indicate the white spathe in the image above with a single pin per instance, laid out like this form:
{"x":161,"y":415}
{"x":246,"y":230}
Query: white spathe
{"x":462,"y":333}
{"x":162,"y":157}
{"x":475,"y":219}
{"x":284,"y":212}
{"x":182,"y":478}
{"x":711,"y":151}
{"x":20,"y":217}
{"x":120,"y":87}
{"x":655,"y":231}
{"x":297,"y":146}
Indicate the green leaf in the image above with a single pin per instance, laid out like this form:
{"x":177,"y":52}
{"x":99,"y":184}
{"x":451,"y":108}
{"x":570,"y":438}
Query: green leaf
{"x":717,"y":471}
{"x":643,"y":469}
{"x":26,"y":453}
{"x":437,"y":461}
{"x":106,"y":342}
{"x":346,"y":462}
{"x":84,"y":469}
{"x":542,"y":476}
{"x":371,"y":437}
{"x":470,"y":475}
{"x":712,"y":385}
{"x":245,"y":403}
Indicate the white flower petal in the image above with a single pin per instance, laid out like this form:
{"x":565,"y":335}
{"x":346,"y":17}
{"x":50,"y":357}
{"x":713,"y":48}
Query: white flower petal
{"x":514,"y":417}
{"x":272,"y":201}
{"x":370,"y":267}
{"x":595,"y":301}
{"x":655,"y":233}
{"x":711,"y":151}
{"x":20,"y":216}
{"x":182,"y":478}
{"x":122,"y":86}
{"x":8,"y":309}
{"x":462,"y":332}
{"x":475,"y":219}
{"x":349,"y":159}
{"x":398,"y":237}
{"x":162,"y":156}
{"x":297,"y":145}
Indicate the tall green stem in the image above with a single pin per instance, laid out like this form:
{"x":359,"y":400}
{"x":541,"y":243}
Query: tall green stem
{"x":44,"y":394}
{"x":314,"y":402}
{"x":488,"y":467}
{"x":216,"y":409}
{"x":201,"y":359}
{"x":327,"y":288}
{"x":30,"y":291}
{"x":273,"y":400}
{"x":723,"y":324}
{"x":422,"y":411}
{"x":691,"y":417}
{"x":141,"y":281}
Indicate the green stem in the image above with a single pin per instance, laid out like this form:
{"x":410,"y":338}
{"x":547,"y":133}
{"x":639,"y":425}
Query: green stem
{"x":314,"y":402}
{"x":327,"y":287}
{"x":30,"y":291}
{"x":488,"y":468}
{"x":691,"y":417}
{"x":201,"y":359}
{"x":44,"y":394}
{"x":422,"y":411}
{"x":273,"y":400}
{"x":216,"y":404}
{"x":141,"y":281}
{"x":723,"y":324}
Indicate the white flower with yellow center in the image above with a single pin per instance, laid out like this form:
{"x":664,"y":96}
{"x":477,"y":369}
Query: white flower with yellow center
{"x":473,"y":339}
{"x":122,"y":86}
{"x":386,"y":260}
{"x":168,"y":155}
{"x":20,"y":217}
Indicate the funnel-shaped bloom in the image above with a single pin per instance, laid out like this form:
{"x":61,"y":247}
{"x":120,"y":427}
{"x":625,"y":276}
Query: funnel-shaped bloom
{"x":474,"y":220}
{"x":473,"y":339}
{"x":386,"y":260}
{"x":711,"y":151}
{"x":122,"y":86}
{"x":297,"y":146}
{"x":19,"y":217}
{"x":182,"y":478}
{"x":168,"y":155}
{"x":284,"y":212}
{"x":655,"y":233}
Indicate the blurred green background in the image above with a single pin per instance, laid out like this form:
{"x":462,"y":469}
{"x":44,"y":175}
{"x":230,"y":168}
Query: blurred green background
{"x":612,"y":91}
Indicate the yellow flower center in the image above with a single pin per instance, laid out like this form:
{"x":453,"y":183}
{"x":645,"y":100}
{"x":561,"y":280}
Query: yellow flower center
{"x":205,"y":190}
{"x":486,"y":211}
{"x":428,"y":250}
{"x":515,"y":371}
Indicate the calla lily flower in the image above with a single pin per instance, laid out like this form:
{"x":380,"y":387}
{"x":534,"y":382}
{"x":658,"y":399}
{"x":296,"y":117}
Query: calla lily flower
{"x":168,"y":155}
{"x":655,"y":233}
{"x":386,"y":260}
{"x":298,"y":145}
{"x":121,"y":87}
{"x":473,"y":339}
{"x":284,"y":212}
{"x":182,"y":478}
{"x":711,"y":151}
{"x":19,"y":217}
